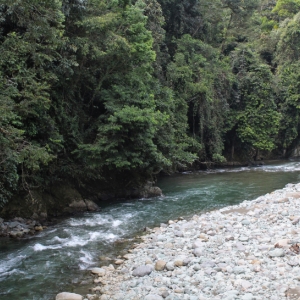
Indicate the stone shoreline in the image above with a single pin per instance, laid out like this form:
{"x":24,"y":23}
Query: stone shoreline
{"x":247,"y":251}
{"x":20,"y":227}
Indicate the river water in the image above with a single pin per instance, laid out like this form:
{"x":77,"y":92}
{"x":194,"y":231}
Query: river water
{"x":58,"y":258}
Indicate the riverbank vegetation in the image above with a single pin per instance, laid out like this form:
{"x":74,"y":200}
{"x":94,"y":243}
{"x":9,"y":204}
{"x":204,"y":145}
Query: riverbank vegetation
{"x":119,"y":91}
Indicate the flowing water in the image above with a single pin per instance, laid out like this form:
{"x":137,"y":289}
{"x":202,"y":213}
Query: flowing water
{"x":58,"y":258}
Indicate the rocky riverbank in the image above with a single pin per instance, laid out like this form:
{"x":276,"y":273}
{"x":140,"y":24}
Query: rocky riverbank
{"x":248,"y":251}
{"x":19,"y":227}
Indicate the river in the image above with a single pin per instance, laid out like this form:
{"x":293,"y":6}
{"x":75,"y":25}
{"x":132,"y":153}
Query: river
{"x":58,"y":258}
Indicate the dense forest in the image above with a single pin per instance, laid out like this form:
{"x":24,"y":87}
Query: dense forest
{"x":119,"y":91}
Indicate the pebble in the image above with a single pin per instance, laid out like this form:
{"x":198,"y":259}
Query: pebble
{"x":247,"y":251}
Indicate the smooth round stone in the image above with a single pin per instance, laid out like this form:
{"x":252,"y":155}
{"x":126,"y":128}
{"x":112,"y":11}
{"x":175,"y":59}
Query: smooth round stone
{"x":142,"y":271}
{"x":197,"y":244}
{"x":197,"y":267}
{"x":247,"y":296}
{"x":246,"y":222}
{"x":119,"y":261}
{"x":98,"y":271}
{"x":239,"y":270}
{"x":198,"y":252}
{"x":178,"y":233}
{"x":243,"y":238}
{"x":170,"y":266}
{"x":68,"y":296}
{"x":153,"y":297}
{"x":277,"y":253}
{"x":160,"y":265}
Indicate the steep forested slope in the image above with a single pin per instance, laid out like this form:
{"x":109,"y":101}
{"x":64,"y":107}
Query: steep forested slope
{"x":118,"y":91}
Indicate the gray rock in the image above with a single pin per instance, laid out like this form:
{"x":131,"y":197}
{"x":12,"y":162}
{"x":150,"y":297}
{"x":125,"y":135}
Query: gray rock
{"x":91,"y":205}
{"x":247,"y":296}
{"x":68,"y":296}
{"x":16,"y":234}
{"x":246,"y":222}
{"x":197,"y":244}
{"x":277,"y":253}
{"x":1,"y":220}
{"x":243,"y":238}
{"x":186,"y":261}
{"x":198,"y":252}
{"x":153,"y":297}
{"x":178,"y":233}
{"x":142,"y":271}
{"x":239,"y":270}
{"x":98,"y":271}
{"x":14,"y":224}
{"x":170,"y":266}
{"x":197,"y":267}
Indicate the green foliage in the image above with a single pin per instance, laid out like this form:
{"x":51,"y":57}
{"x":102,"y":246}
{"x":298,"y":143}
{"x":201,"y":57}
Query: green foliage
{"x":287,"y":8}
{"x":102,"y":90}
{"x":257,"y":120}
{"x":201,"y":79}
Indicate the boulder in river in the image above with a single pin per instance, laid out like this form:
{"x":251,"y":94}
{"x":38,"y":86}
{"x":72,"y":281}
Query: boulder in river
{"x":68,"y":296}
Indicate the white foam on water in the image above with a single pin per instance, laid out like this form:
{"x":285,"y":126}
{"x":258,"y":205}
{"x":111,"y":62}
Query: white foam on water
{"x":75,"y":241}
{"x":58,"y":239}
{"x":291,"y":167}
{"x":39,"y":247}
{"x":87,"y":260}
{"x":96,"y":220}
{"x":94,"y":236}
{"x":110,"y":236}
{"x":13,"y":271}
{"x":10,"y":262}
{"x":116,"y":223}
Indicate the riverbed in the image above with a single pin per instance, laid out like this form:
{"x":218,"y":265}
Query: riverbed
{"x":57,"y":259}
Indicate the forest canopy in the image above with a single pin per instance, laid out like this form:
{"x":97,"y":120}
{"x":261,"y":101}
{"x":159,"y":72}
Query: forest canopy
{"x":119,"y":91}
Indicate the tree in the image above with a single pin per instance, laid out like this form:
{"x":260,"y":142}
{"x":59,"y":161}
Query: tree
{"x":256,"y":119}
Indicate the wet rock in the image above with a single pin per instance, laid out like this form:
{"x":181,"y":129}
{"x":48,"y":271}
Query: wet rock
{"x":98,"y":271}
{"x":119,"y":261}
{"x":38,"y":228}
{"x":14,"y":224}
{"x":16,"y":234}
{"x":105,"y":258}
{"x":91,"y":205}
{"x":68,"y":296}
